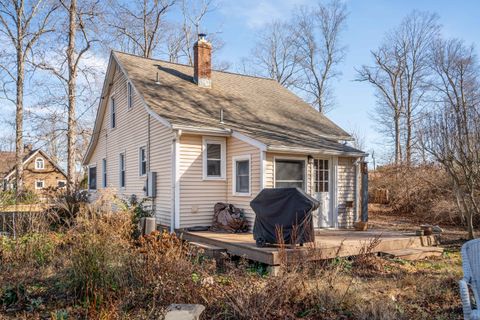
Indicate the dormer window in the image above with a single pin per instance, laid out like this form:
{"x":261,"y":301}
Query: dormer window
{"x":39,"y":164}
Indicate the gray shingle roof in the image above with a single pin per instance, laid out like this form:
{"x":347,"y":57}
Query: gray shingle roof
{"x":257,"y":107}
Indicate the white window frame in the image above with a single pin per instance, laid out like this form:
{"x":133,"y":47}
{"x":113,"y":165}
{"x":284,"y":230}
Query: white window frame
{"x":36,"y":163}
{"x":104,"y":173}
{"x":236,"y":159}
{"x":140,"y":174}
{"x":223,"y":157}
{"x":305,"y":172}
{"x":88,"y":176}
{"x":64,"y":181}
{"x":120,"y":169}
{"x":36,"y":184}
{"x":113,"y":113}
{"x":129,"y":95}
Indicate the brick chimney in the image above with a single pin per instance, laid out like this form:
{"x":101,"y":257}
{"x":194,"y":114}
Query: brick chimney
{"x":202,"y":64}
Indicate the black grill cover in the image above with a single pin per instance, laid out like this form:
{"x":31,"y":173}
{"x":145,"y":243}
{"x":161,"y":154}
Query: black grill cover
{"x":288,"y":208}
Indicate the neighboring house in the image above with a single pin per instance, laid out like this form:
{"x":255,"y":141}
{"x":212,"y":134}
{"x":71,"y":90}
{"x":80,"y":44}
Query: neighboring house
{"x":39,"y":171}
{"x":210,"y":136}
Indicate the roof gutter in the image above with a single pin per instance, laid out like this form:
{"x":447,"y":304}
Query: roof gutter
{"x":284,"y":149}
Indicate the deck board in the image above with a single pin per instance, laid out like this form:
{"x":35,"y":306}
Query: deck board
{"x":328,"y":244}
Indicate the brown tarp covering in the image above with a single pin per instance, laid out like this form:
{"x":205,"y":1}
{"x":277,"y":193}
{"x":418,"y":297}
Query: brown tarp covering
{"x":228,"y":218}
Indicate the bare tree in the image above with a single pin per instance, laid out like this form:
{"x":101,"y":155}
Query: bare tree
{"x":451,"y":130}
{"x":138,"y":24}
{"x":276,"y":54}
{"x":385,"y":76}
{"x":22,"y":22}
{"x":399,"y":75}
{"x":65,"y":63}
{"x":317,"y":34}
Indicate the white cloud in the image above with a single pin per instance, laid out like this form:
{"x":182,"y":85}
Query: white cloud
{"x":257,"y":13}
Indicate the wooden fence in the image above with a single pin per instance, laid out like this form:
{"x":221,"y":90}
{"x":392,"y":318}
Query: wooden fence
{"x":21,"y":218}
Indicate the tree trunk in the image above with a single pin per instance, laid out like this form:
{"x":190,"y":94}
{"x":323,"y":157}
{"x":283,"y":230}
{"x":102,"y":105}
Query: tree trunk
{"x":397,"y":140}
{"x":19,"y":120}
{"x":471,"y":234}
{"x":72,"y":79}
{"x":408,"y":146}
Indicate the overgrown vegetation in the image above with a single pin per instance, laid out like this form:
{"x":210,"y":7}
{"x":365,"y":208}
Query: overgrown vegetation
{"x":95,"y":269}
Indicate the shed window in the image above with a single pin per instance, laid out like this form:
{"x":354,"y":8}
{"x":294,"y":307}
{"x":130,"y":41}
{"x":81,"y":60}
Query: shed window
{"x":241,"y":175}
{"x":39,"y":164}
{"x":122,"y":170}
{"x":113,"y":113}
{"x":290,"y":174}
{"x":142,"y":155}
{"x":92,"y":178}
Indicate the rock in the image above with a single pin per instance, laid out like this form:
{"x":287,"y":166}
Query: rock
{"x":184,"y":312}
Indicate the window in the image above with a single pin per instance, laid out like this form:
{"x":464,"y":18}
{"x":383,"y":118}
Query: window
{"x":92,"y":178}
{"x":104,"y":173}
{"x":39,"y":184}
{"x":113,"y":112}
{"x":142,"y":157}
{"x":290,"y":173}
{"x":214,"y":159}
{"x":241,"y":175}
{"x":61,"y":184}
{"x":129,"y":95}
{"x":39,"y":164}
{"x":122,"y":170}
{"x":320,"y":171}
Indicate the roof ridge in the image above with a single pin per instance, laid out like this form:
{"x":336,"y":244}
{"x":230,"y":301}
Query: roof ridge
{"x":187,"y":65}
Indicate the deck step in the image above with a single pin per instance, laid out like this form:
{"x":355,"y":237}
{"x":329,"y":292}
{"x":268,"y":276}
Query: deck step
{"x":414,"y":253}
{"x":209,"y":250}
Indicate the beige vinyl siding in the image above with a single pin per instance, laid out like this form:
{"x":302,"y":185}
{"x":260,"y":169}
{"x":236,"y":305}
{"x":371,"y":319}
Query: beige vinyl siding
{"x":235,"y":148}
{"x":197,"y":196}
{"x":160,"y":161}
{"x":129,"y":134}
{"x":346,"y":191}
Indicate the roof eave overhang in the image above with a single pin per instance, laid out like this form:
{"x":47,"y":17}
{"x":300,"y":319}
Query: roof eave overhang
{"x":212,"y":131}
{"x":314,"y":151}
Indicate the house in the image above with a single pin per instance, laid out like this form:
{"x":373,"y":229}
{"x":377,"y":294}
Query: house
{"x":39,"y":171}
{"x":189,"y":137}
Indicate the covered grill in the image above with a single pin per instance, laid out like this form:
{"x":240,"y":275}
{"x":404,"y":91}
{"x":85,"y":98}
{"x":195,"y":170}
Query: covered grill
{"x":288,"y":210}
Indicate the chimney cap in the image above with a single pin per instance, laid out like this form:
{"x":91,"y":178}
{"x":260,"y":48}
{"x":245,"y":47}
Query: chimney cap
{"x":201,"y":36}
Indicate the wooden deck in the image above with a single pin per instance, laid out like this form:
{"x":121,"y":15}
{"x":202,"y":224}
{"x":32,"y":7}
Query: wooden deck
{"x":328,"y":244}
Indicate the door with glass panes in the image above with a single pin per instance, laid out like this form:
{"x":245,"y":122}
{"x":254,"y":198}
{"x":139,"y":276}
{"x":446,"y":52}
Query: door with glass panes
{"x":323,"y":217}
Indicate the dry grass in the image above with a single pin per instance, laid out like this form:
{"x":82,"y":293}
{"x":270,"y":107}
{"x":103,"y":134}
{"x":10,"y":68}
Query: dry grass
{"x":96,"y":270}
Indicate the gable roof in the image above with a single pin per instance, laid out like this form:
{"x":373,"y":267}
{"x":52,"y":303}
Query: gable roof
{"x":259,"y":108}
{"x":27,"y":158}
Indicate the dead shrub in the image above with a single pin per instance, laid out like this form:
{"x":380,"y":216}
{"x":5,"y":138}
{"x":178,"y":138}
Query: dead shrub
{"x":423,"y":191}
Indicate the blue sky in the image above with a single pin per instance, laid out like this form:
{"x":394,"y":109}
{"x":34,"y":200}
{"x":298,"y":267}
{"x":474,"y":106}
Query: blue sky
{"x":240,"y":20}
{"x":367,"y":23}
